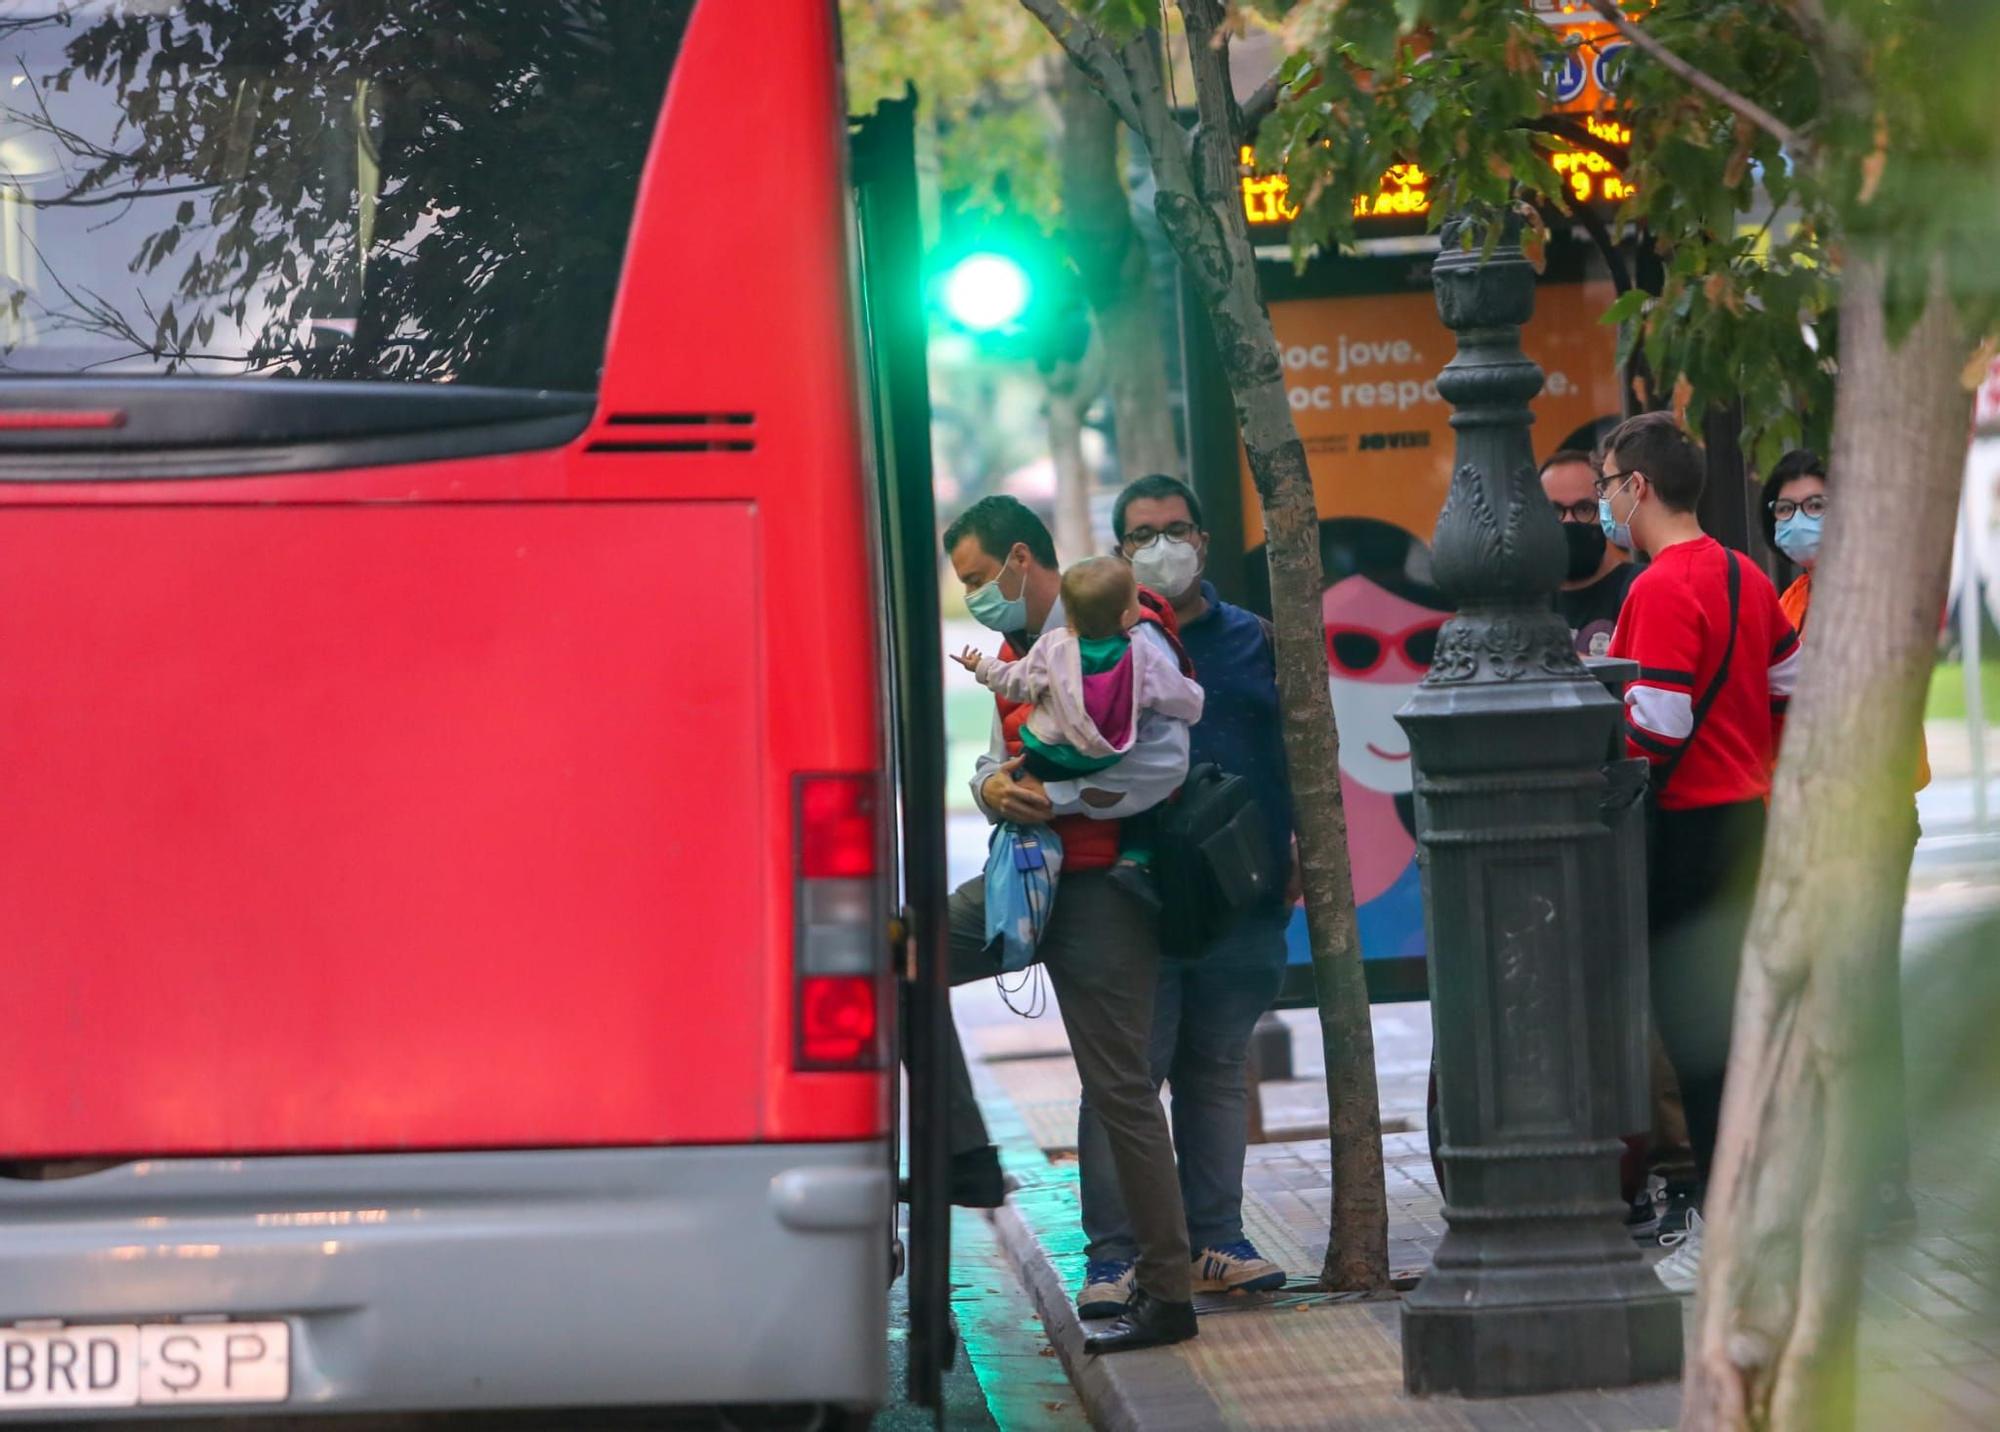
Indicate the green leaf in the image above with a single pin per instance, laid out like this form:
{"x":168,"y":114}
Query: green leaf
{"x":1421,"y":107}
{"x":1628,"y":305}
{"x":1120,"y":19}
{"x":1372,"y":34}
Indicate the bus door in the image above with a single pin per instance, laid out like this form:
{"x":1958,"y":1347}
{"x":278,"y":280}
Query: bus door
{"x":890,"y":258}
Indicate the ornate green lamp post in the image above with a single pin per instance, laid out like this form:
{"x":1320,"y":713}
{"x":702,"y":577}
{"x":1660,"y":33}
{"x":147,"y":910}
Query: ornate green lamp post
{"x":1533,"y":910}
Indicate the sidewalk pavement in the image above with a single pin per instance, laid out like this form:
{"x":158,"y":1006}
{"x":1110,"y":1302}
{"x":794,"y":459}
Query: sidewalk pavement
{"x":1300,"y":1358}
{"x":1947,"y":807}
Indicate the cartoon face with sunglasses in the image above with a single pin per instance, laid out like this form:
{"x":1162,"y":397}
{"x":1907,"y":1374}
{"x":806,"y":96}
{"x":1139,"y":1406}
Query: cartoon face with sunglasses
{"x":1354,"y":652}
{"x":1378,"y":647}
{"x":1379,"y":644}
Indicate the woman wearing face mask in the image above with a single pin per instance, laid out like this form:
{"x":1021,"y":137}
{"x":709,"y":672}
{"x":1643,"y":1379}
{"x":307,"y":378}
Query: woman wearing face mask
{"x":1795,"y":503}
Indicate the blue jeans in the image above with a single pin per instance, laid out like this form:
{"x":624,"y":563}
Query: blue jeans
{"x":1203,"y":1014}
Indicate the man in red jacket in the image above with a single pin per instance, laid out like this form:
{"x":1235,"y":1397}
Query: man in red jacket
{"x":1101,"y":945}
{"x":1717,"y":659}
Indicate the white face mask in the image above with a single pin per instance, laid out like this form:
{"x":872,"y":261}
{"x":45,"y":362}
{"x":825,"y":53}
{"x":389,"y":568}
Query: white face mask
{"x":1373,"y":747}
{"x":1168,"y":567}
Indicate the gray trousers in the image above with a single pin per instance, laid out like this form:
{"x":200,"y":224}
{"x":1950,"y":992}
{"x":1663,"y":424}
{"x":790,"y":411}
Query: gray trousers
{"x":1203,"y":1017}
{"x":1103,"y":957}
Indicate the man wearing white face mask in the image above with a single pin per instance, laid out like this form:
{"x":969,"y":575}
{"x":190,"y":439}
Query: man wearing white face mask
{"x":1101,"y":945}
{"x":1205,"y":1009}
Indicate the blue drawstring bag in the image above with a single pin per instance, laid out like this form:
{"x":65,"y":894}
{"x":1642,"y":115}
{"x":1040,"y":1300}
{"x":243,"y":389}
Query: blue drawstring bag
{"x":1022,"y":862}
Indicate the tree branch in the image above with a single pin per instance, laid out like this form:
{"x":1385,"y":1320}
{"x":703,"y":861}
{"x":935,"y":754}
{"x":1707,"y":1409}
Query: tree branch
{"x":1215,"y":99}
{"x":1607,"y":248}
{"x":76,"y":199}
{"x":1565,"y":128}
{"x":1258,"y":107}
{"x":1092,"y":53}
{"x":1810,"y":16}
{"x":1130,"y":79}
{"x":1700,"y":79}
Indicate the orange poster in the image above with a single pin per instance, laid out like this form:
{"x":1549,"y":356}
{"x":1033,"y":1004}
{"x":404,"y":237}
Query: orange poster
{"x":1362,"y":377}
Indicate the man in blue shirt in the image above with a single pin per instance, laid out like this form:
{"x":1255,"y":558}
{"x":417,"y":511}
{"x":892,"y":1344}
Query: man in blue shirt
{"x":1205,"y":1009}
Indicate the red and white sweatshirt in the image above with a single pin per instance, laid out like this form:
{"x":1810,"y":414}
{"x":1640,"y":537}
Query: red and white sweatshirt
{"x":1675,"y":624}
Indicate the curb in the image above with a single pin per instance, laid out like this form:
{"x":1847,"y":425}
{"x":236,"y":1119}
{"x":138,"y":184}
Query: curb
{"x":1149,"y":1391}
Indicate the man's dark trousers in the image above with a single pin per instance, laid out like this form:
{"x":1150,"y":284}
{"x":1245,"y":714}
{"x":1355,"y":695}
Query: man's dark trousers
{"x":1102,"y":953}
{"x":1702,"y":875}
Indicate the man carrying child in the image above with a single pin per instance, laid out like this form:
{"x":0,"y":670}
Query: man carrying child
{"x":1101,"y":944}
{"x":1088,"y":683}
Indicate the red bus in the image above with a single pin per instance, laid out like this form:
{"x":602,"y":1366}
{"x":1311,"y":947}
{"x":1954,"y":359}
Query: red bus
{"x":444,"y":690}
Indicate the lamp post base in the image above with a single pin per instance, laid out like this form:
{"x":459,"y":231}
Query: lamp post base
{"x":1515,"y":1349}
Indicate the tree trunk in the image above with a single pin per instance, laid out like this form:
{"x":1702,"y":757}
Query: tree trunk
{"x":1204,"y":220}
{"x":1774,"y":1336}
{"x":1070,"y":395}
{"x":1104,"y":245}
{"x":1357,"y":1255}
{"x":1199,"y":208}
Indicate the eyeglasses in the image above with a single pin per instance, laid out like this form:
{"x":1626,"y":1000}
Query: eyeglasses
{"x":1784,"y":507}
{"x":1583,"y":511}
{"x":1141,"y":537}
{"x":1604,"y":484}
{"x":1357,"y":651}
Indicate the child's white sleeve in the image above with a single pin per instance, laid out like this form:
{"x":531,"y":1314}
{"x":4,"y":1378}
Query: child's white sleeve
{"x":1023,"y":680}
{"x":1169,"y":693}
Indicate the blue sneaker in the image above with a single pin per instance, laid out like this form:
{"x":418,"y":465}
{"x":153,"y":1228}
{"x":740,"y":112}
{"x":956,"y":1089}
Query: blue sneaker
{"x":1107,"y":1288}
{"x":1236,"y":1268}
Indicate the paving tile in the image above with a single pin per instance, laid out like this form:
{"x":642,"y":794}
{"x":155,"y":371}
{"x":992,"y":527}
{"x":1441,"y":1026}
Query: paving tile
{"x":1928,"y":1349}
{"x":1970,"y":1398}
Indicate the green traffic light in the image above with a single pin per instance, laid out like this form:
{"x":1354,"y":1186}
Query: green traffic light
{"x":986,"y":292}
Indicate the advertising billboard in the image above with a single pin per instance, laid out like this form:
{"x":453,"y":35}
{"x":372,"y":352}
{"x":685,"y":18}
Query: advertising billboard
{"x":1361,"y":373}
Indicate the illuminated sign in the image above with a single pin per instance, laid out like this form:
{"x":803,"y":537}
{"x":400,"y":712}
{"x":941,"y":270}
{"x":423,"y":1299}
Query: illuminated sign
{"x":1567,"y":13}
{"x":1568,"y":74}
{"x":1405,"y":193}
{"x":1590,"y":175}
{"x":1582,"y":86}
{"x":1610,"y":64}
{"x":1265,"y":200}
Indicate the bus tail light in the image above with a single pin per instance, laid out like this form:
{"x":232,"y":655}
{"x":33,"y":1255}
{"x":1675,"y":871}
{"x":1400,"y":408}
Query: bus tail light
{"x":840,"y":948}
{"x":838,"y":1022}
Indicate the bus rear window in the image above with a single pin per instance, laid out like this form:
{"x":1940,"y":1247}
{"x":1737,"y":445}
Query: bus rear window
{"x":405,"y":190}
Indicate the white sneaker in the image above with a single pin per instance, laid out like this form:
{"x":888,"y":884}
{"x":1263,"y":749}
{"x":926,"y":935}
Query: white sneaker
{"x":1235,"y":1267}
{"x":1680,"y":1270}
{"x":1107,"y":1288}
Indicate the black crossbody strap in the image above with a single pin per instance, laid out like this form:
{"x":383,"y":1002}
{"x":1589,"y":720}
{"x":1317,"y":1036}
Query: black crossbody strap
{"x":1665,"y":771}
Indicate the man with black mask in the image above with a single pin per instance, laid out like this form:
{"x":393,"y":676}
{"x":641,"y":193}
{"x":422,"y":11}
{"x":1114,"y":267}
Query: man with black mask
{"x":1593,"y":591}
{"x":1599,"y":574}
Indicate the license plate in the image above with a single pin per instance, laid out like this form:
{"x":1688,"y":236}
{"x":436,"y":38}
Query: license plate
{"x":135,"y":1364}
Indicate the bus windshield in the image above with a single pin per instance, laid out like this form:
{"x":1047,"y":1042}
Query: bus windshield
{"x":404,"y":190}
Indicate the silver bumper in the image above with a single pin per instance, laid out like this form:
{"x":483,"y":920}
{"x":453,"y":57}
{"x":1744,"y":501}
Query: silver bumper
{"x":619,"y":1277}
